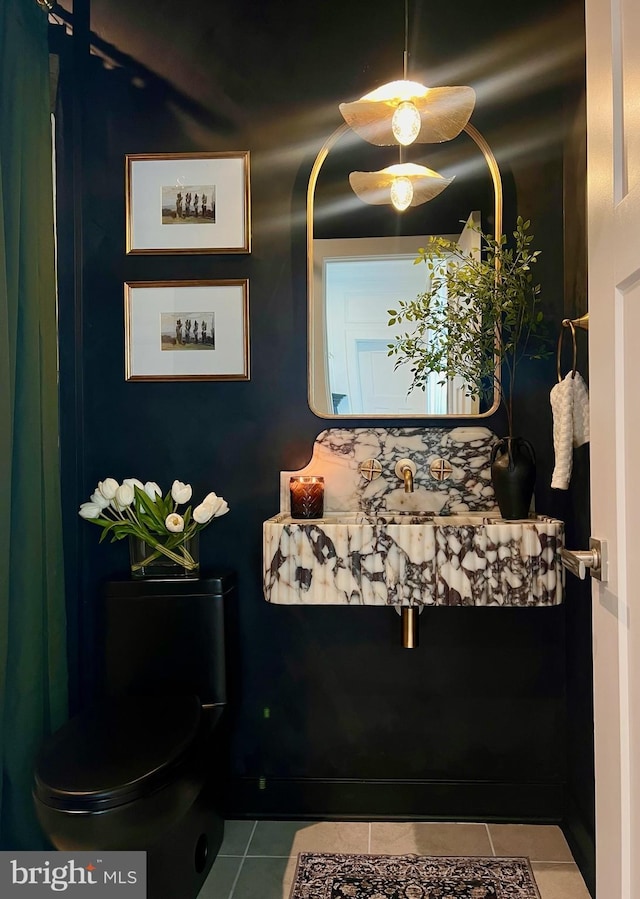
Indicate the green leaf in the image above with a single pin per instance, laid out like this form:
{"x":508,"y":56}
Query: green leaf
{"x":151,"y":507}
{"x":491,"y":307}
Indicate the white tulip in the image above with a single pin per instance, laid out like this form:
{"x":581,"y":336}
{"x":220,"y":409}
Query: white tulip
{"x":101,"y":501}
{"x":108,"y":487}
{"x":217,"y":504}
{"x":124,"y":496}
{"x":174,"y":523}
{"x":222,"y":508}
{"x":203,"y":513}
{"x":181,"y":492}
{"x":89,"y":510}
{"x":133,"y":482}
{"x":152,"y":490}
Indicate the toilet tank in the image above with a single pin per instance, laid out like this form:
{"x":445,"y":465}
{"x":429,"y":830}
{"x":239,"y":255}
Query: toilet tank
{"x":167,"y":636}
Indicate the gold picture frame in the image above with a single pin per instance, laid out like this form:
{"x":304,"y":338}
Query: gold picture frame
{"x":188,"y":203}
{"x":186,"y":330}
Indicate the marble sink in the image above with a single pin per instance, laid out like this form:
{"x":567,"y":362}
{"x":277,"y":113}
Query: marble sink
{"x":390,"y":558}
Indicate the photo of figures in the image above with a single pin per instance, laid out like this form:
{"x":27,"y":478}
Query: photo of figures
{"x":189,"y":205}
{"x":188,"y":191}
{"x":190,"y":331}
{"x":186,"y":330}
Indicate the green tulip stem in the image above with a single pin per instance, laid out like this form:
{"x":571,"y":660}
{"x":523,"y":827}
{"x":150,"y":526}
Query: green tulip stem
{"x":185,"y":561}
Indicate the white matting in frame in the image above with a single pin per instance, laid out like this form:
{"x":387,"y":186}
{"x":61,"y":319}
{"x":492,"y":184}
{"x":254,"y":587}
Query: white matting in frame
{"x":187,"y":330}
{"x":188,"y":203}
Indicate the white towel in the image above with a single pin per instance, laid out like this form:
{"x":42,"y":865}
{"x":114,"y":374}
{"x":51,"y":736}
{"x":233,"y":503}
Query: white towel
{"x":570,"y":407}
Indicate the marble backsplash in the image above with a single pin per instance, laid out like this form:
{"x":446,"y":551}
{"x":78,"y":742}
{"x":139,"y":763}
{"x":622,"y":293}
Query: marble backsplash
{"x":338,"y":452}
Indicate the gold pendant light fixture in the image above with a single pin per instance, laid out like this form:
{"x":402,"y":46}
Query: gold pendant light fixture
{"x":405,"y":184}
{"x":401,"y":113}
{"x":407,"y":112}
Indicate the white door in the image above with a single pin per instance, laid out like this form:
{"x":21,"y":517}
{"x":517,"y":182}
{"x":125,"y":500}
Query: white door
{"x":382,"y":389}
{"x":359,"y":293}
{"x":613,"y":110}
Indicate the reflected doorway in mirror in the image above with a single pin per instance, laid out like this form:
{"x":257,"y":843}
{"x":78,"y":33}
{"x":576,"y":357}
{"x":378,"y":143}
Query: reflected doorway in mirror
{"x":360,"y":280}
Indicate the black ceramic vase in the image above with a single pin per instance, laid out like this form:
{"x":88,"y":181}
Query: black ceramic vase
{"x":513,"y":472}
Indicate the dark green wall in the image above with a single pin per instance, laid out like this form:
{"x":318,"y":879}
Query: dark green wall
{"x":473,"y":724}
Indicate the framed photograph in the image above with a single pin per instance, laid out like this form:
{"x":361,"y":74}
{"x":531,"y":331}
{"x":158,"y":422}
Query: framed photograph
{"x":186,"y":330}
{"x":188,"y":203}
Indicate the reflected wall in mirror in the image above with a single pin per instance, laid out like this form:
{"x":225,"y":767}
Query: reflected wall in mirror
{"x":361,"y":262}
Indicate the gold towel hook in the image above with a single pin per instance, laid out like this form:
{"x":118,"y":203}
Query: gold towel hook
{"x":582,"y":322}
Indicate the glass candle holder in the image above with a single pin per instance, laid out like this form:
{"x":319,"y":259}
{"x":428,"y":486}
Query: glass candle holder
{"x":307,"y":496}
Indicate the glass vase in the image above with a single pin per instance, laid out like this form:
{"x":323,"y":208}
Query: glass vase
{"x":171,"y":558}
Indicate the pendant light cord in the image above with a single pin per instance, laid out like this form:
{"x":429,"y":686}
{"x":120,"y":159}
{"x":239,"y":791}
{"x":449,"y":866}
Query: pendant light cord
{"x":405,"y":64}
{"x":405,"y":56}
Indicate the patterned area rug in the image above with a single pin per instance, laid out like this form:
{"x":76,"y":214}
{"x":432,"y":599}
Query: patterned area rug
{"x":322,"y":875}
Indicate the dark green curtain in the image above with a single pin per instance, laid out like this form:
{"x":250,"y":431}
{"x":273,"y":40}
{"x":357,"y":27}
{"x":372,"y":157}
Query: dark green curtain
{"x":33,"y":678}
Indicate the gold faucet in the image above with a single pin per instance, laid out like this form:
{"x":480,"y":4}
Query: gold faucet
{"x":405,"y":470}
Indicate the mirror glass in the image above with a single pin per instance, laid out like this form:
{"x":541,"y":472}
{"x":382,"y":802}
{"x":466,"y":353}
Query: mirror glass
{"x":361,"y":262}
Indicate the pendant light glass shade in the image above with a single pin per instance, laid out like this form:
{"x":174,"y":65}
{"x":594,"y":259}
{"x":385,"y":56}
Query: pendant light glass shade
{"x":442,"y":112}
{"x":401,"y":193}
{"x":380,"y":188}
{"x":405,"y":123}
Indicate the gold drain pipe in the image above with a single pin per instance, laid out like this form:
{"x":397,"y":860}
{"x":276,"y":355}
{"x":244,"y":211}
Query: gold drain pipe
{"x":409,"y":624}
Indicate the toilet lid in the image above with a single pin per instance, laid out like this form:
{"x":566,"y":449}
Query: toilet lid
{"x":116,"y":752}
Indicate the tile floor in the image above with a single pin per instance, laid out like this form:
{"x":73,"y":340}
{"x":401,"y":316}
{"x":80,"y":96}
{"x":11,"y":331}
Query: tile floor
{"x":257,"y":859}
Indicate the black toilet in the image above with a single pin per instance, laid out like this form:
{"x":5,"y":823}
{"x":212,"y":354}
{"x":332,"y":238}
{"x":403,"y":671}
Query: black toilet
{"x":144,"y":767}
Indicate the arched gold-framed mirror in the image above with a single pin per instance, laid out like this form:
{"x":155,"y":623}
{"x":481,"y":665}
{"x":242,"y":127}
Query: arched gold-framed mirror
{"x":350,"y":374}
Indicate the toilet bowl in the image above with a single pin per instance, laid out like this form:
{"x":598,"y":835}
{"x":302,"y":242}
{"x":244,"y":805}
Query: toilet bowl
{"x":142,"y":768}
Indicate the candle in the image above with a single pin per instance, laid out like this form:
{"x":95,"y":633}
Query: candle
{"x":307,"y":496}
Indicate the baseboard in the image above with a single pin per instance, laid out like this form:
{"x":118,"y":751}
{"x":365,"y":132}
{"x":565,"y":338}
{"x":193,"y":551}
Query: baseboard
{"x":580,"y":836}
{"x":350,"y":799}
